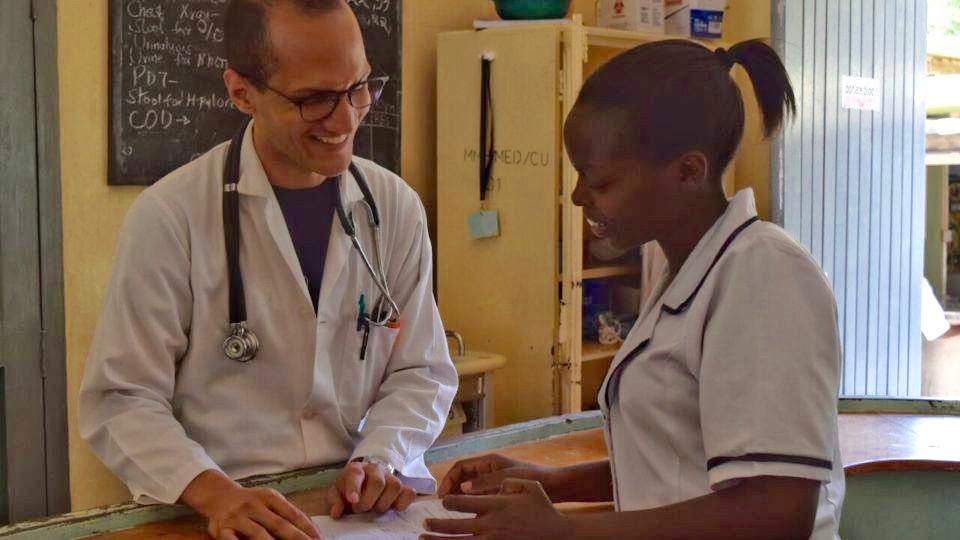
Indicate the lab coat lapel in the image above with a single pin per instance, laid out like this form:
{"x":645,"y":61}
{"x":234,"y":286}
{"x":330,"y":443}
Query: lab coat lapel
{"x":254,"y":182}
{"x":333,"y":296}
{"x":339,"y":250}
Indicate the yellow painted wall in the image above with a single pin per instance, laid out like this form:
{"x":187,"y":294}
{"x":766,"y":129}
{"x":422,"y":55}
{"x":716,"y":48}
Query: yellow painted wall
{"x":92,"y":211}
{"x":749,"y":19}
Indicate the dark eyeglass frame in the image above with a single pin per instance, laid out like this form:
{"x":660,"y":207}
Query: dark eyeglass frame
{"x":329,"y":96}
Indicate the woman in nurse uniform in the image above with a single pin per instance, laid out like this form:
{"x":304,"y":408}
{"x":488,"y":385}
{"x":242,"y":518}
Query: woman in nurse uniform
{"x":720,"y":408}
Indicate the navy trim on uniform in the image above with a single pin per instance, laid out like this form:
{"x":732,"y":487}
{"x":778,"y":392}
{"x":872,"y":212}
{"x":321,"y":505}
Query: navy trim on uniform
{"x":683,"y":307}
{"x":771,"y":458}
{"x":679,"y":309}
{"x":626,"y":360}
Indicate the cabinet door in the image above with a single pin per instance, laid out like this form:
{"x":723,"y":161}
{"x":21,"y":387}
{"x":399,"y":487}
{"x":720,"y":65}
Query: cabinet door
{"x":501,"y":293}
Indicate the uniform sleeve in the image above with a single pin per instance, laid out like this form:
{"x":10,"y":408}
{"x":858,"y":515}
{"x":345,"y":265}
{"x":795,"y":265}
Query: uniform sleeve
{"x":414,"y":399}
{"x":125,"y":411}
{"x":769,"y":374}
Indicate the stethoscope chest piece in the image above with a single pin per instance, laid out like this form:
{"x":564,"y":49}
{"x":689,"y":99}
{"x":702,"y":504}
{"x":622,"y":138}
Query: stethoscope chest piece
{"x":242,"y":344}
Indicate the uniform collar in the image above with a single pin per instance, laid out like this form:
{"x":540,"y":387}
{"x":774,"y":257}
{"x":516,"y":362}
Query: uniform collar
{"x":740,"y":214}
{"x":253,"y":177}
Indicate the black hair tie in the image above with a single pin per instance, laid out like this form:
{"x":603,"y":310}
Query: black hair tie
{"x":725,"y":57}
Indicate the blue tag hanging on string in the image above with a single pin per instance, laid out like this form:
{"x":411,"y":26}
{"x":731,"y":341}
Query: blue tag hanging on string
{"x":485,"y":223}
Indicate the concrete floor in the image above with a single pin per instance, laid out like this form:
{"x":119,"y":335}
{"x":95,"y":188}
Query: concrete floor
{"x":941,"y":366}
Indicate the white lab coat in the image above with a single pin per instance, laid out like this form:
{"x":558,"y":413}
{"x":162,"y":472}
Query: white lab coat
{"x":160,"y":402}
{"x":732,"y":371}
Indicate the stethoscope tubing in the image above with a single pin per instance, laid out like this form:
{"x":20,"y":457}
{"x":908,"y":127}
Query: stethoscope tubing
{"x":242,"y":344}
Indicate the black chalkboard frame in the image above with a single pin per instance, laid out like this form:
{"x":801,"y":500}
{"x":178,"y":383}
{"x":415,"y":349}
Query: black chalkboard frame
{"x":378,"y":138}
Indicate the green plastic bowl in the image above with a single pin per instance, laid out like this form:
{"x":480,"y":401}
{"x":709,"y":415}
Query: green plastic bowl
{"x":532,"y":9}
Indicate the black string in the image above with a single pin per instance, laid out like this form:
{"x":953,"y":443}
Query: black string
{"x":487,"y":152}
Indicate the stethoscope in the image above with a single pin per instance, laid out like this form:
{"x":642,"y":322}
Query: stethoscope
{"x":242,"y":344}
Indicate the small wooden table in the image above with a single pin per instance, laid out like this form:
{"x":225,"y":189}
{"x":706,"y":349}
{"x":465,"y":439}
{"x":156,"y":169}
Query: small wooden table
{"x":475,"y":393}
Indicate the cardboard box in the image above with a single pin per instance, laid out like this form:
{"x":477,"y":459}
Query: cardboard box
{"x":695,"y":18}
{"x":636,"y":15}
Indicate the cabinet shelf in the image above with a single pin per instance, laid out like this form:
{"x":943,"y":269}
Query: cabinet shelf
{"x":626,"y":39}
{"x":595,"y":351}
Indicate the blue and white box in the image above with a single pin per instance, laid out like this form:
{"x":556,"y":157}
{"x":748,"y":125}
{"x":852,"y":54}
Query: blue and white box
{"x":695,"y":18}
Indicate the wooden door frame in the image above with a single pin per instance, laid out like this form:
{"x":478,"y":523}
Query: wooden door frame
{"x":778,"y":22}
{"x":51,"y":257}
{"x":34,"y":273}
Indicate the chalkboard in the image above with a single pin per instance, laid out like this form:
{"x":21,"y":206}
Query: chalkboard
{"x":167,"y":100}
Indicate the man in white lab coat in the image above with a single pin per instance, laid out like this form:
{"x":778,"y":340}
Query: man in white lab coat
{"x":163,"y":406}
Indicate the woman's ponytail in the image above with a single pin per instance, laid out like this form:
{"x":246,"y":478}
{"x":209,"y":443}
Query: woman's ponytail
{"x":770,"y":81}
{"x":674,"y":95}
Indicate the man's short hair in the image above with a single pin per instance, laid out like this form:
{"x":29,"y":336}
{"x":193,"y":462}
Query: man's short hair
{"x":247,"y":42}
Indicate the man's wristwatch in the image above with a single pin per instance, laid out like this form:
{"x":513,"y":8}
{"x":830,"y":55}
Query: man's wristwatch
{"x":383,"y":464}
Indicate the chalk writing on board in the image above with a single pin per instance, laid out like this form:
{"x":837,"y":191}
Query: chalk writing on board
{"x":168,"y":104}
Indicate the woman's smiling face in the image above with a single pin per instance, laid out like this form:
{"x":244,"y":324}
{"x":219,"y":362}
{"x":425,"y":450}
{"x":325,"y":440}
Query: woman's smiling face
{"x":624,"y":200}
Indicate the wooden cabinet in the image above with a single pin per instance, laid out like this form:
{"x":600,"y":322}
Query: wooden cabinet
{"x":521,"y":294}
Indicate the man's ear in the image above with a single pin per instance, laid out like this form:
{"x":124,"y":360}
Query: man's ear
{"x":238,"y":88}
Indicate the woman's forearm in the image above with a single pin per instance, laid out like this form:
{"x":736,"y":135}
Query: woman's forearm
{"x":758,"y":508}
{"x":586,"y":482}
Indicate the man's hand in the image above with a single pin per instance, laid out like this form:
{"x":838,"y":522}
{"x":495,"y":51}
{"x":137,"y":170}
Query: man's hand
{"x":366,"y":487}
{"x":256,"y":513}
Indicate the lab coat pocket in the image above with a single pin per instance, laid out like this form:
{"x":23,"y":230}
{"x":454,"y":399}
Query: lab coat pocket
{"x":363,"y":368}
{"x":380,"y":344}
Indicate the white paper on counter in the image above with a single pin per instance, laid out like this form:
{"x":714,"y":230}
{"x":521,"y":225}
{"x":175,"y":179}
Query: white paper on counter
{"x":390,"y":526}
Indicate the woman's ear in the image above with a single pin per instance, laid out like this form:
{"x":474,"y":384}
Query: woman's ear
{"x":694,"y":168}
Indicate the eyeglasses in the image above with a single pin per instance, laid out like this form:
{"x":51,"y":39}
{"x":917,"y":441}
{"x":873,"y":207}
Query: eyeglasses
{"x":321,"y":105}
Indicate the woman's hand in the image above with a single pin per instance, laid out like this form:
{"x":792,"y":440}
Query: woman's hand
{"x":522,"y":510}
{"x":484,"y":475}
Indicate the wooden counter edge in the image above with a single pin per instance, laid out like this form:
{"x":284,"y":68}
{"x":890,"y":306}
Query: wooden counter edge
{"x":127,"y":515}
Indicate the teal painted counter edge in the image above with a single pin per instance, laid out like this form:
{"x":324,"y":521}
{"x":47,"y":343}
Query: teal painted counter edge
{"x":124,"y":516}
{"x":850,"y":405}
